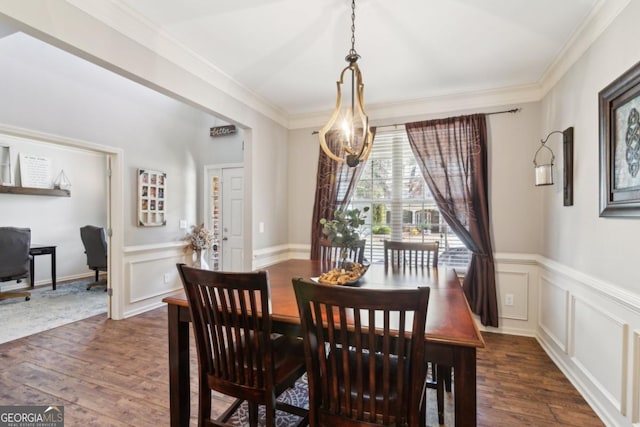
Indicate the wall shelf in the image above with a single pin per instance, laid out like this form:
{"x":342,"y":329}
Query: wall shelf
{"x":8,"y":189}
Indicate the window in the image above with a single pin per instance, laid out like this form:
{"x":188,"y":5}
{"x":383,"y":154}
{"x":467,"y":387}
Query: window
{"x":400,"y":203}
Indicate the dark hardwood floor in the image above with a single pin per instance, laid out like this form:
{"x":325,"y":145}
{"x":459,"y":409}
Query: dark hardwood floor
{"x":114,"y":373}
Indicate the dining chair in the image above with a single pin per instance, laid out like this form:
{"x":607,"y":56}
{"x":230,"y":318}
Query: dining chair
{"x":237,"y":355}
{"x":331,"y":254}
{"x":364,"y":351}
{"x":14,"y":258}
{"x":410,"y":254}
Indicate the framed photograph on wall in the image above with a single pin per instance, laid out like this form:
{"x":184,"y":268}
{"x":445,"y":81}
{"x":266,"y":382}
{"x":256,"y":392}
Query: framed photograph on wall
{"x":151,"y":198}
{"x":619,"y":116}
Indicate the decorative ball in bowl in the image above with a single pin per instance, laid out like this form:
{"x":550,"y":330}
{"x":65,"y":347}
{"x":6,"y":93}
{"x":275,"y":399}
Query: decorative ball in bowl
{"x":348,"y":274}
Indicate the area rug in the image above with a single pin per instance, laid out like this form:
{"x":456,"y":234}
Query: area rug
{"x":296,"y":396}
{"x":48,"y":309}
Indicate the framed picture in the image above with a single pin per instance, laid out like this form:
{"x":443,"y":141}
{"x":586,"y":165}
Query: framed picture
{"x":6,"y":173}
{"x":151,"y":198}
{"x":619,"y":116}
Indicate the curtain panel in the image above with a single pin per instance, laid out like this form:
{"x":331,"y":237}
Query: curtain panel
{"x":335,"y":183}
{"x":452,"y":154}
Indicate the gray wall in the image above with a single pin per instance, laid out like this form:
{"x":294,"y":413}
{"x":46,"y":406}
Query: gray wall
{"x":48,"y":90}
{"x":515,"y":208}
{"x":576,"y":236}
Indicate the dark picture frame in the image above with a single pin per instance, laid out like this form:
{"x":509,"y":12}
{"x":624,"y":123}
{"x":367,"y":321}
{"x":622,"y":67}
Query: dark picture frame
{"x":619,"y":120}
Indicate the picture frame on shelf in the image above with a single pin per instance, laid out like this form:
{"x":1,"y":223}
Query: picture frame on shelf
{"x":6,"y":172}
{"x":619,"y":134}
{"x":151,"y":198}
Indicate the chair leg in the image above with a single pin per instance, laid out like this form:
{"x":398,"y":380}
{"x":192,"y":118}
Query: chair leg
{"x":253,"y":414}
{"x":440,"y":371}
{"x":447,"y":378}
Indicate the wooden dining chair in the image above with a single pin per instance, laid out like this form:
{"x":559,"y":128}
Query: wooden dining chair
{"x":401,"y":255}
{"x":410,"y":254}
{"x":237,"y":355}
{"x":364,"y":350}
{"x":331,"y":255}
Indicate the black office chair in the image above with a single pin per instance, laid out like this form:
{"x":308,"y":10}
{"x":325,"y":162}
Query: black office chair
{"x":95,"y":246}
{"x":14,"y":258}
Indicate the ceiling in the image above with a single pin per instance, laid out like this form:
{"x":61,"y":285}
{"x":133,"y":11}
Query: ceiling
{"x":289,"y":53}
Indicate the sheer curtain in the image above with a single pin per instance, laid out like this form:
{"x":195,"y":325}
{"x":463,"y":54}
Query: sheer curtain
{"x":335,"y":183}
{"x":452,"y":154}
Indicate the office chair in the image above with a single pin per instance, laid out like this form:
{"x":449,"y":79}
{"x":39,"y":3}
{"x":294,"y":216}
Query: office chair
{"x":14,"y":258}
{"x":95,"y":246}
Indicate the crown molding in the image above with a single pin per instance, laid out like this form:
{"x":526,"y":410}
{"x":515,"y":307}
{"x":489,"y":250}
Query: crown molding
{"x":133,"y":25}
{"x":430,"y":106}
{"x":601,"y":16}
{"x":126,"y":21}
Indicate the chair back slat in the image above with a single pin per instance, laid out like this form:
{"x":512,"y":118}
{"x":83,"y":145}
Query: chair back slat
{"x":410,"y":254}
{"x":331,"y":255}
{"x":364,"y":351}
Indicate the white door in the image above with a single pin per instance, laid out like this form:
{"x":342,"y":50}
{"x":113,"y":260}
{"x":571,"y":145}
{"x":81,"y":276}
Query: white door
{"x":232,"y":219}
{"x":224,"y":190}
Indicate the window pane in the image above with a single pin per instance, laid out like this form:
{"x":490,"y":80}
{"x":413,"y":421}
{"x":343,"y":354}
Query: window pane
{"x":400,"y":202}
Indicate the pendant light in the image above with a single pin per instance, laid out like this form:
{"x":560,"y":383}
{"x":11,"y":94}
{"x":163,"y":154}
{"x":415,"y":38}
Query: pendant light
{"x":349,"y":122}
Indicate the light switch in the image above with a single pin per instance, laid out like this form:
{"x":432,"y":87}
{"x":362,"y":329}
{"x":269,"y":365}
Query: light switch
{"x":183,"y":224}
{"x":261,"y":227}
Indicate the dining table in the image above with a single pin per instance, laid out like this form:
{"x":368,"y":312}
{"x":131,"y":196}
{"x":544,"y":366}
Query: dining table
{"x":451,"y":337}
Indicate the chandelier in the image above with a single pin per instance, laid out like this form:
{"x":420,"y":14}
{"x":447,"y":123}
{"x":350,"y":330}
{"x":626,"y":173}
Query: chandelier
{"x":348,"y":125}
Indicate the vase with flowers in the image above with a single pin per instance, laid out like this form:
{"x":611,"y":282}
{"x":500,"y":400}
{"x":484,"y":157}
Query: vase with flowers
{"x":201,"y":240}
{"x":344,"y":229}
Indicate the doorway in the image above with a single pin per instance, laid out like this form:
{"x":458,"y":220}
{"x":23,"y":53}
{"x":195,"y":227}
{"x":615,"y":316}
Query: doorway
{"x":224,"y":215}
{"x":62,"y":225}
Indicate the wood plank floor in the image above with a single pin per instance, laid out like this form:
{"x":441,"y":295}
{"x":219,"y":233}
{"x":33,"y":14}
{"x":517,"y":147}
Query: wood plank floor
{"x":114,"y":373}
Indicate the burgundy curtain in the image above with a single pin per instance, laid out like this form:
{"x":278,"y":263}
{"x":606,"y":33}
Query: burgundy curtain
{"x":452,"y":154}
{"x":335,"y":183}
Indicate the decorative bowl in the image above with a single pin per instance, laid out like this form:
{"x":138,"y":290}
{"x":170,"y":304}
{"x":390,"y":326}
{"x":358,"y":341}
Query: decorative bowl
{"x":350,"y":274}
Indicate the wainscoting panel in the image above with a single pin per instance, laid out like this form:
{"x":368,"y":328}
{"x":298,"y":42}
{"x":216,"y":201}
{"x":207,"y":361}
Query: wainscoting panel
{"x":601,"y":352}
{"x":592,"y":356}
{"x":515,"y":285}
{"x":151,"y":274}
{"x":552,"y":308}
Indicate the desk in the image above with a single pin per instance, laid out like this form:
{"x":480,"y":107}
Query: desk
{"x":451,"y":335}
{"x":42,"y":250}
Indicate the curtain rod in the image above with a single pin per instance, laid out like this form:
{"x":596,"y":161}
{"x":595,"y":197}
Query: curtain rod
{"x":513,"y":110}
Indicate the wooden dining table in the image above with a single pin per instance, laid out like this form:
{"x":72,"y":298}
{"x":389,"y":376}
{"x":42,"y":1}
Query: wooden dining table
{"x":451,"y":335}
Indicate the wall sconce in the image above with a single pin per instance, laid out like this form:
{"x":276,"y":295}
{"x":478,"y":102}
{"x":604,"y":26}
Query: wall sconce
{"x":544,"y":171}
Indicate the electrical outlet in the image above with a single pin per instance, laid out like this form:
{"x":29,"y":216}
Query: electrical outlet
{"x":508,"y":299}
{"x":167,"y":277}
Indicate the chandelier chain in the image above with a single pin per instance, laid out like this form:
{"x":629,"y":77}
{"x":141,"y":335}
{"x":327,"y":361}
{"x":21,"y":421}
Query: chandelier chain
{"x":353,"y":28}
